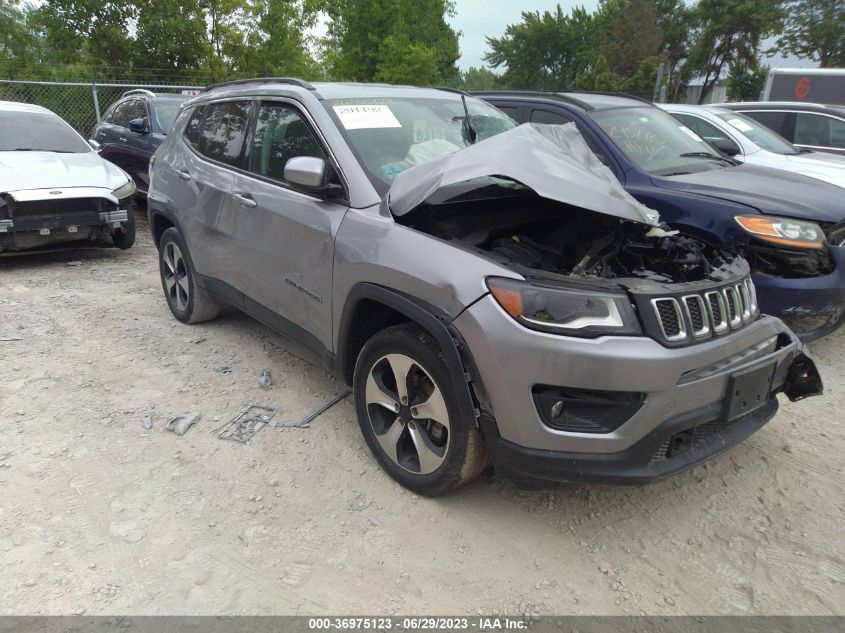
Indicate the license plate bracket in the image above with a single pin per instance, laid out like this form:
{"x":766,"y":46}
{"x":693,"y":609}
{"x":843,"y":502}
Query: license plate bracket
{"x":748,"y":390}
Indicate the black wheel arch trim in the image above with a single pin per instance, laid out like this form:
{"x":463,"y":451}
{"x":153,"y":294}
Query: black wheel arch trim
{"x":436,"y":322}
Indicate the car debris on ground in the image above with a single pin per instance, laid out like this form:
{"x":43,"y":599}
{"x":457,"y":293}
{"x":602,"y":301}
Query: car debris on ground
{"x":304,"y":422}
{"x":181,"y":423}
{"x":244,"y":426}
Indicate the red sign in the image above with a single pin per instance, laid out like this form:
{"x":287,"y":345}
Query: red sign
{"x":802,"y":88}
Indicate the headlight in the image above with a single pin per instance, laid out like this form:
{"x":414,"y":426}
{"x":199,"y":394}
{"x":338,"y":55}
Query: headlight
{"x":125,"y":190}
{"x":568,"y":311}
{"x":783,"y":231}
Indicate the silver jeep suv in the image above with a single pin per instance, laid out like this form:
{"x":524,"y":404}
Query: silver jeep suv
{"x":490,"y":291}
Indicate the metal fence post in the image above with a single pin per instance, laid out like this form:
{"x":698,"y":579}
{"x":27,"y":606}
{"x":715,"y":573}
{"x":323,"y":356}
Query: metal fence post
{"x":96,"y":100}
{"x":658,"y":82}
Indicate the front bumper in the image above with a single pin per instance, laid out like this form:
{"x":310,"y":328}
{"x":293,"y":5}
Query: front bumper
{"x":806,"y":298}
{"x":684,"y":388}
{"x":47,"y":222}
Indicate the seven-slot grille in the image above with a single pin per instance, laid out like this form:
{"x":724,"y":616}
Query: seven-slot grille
{"x":699,"y":316}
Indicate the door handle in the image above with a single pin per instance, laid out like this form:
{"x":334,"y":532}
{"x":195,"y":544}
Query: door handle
{"x":123,"y":139}
{"x":183,"y":175}
{"x":246,"y":200}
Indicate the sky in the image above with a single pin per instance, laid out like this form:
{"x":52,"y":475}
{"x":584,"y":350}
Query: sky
{"x":477,"y":19}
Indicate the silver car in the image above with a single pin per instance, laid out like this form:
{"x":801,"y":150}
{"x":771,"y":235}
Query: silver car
{"x":55,"y":189}
{"x":491,"y":293}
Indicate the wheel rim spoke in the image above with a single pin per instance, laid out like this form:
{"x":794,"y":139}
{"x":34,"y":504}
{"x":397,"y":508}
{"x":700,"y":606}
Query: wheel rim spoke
{"x":401,"y":367}
{"x":389,"y":440}
{"x":432,"y":409}
{"x":430,"y":456}
{"x":377,"y":394}
{"x":175,"y":277}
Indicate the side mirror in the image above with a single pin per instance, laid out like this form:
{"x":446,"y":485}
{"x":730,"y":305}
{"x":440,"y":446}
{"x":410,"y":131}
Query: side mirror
{"x":726,"y":146}
{"x":95,"y":145}
{"x":308,"y":172}
{"x":138,"y":125}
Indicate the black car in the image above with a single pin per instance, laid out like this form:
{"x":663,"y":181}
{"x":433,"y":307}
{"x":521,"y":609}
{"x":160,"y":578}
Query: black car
{"x":810,"y":126}
{"x":133,"y":128}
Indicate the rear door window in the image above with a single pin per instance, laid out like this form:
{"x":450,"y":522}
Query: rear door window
{"x":819,"y":131}
{"x":547,"y":116}
{"x":223,"y":131}
{"x":776,"y":121}
{"x":281,"y":133}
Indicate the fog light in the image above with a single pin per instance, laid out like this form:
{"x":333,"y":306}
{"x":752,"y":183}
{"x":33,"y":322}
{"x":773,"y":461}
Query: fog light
{"x":557,"y":409}
{"x":585,"y":411}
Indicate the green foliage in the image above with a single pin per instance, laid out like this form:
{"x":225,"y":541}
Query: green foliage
{"x":170,"y":34}
{"x":479,"y":79}
{"x":632,"y":35}
{"x":276,"y":43}
{"x":815,"y":29}
{"x":746,"y":81}
{"x":376,"y":39}
{"x":727,"y":31}
{"x":16,"y":39}
{"x":546,"y":51}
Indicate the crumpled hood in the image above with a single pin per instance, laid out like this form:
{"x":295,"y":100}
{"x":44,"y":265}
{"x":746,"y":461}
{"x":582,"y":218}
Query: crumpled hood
{"x":552,"y":160}
{"x":49,"y":170}
{"x":769,"y":191}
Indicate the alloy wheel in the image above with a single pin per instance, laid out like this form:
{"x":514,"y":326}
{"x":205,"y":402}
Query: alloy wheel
{"x":408,"y":414}
{"x":175,"y":276}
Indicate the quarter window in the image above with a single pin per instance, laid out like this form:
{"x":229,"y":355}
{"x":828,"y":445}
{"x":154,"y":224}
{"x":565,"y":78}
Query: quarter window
{"x":223,"y":131}
{"x":281,"y":134}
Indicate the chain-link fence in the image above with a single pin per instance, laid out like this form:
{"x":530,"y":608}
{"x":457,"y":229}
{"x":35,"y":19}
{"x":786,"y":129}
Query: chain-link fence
{"x":80,"y":104}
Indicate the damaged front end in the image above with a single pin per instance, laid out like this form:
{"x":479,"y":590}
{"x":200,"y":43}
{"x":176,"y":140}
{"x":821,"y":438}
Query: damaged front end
{"x":562,"y":222}
{"x":44,"y":218}
{"x":588,"y":259}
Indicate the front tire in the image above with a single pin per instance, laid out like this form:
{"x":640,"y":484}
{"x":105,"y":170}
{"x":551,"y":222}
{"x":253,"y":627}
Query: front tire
{"x":187,"y":301}
{"x":407,"y":409}
{"x":124,"y":237}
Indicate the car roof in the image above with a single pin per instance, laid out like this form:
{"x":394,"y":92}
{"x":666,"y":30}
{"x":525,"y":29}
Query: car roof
{"x":693,"y":109}
{"x":16,"y":106}
{"x":781,"y":105}
{"x":583,"y":100}
{"x":323,"y":89}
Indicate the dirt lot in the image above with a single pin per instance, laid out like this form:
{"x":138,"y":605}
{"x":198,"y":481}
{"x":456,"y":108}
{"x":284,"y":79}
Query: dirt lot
{"x":99,"y":515}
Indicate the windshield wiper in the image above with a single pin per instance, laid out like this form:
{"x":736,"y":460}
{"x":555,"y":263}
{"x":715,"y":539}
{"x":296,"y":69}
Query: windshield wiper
{"x":40,"y":149}
{"x":472,"y":135}
{"x":708,"y":155}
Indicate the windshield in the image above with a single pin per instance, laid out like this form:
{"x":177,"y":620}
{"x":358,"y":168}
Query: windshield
{"x":165,"y":114}
{"x":38,"y":132}
{"x":656,"y":142}
{"x":758,"y":134}
{"x":389,"y":135}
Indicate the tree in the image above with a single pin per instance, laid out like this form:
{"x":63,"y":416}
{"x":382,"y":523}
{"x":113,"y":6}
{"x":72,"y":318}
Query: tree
{"x":674,"y":18}
{"x":728,"y":31}
{"x":815,"y":29}
{"x":371,"y":39}
{"x":94,"y":32}
{"x":17,"y":41}
{"x":481,"y":78}
{"x":746,"y":81}
{"x":599,"y":77}
{"x":632,"y":36}
{"x":548,"y":51}
{"x":276,"y":41}
{"x":171,"y":34}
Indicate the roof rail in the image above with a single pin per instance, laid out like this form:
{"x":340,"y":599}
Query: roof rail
{"x":138,"y":91}
{"x":293,"y":81}
{"x":610,"y":93}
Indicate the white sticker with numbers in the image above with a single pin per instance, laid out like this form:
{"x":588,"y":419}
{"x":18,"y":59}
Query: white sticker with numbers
{"x":359,"y":117}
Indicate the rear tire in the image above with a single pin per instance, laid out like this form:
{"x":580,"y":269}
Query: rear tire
{"x":187,"y":301}
{"x":407,"y":409}
{"x":124,"y":237}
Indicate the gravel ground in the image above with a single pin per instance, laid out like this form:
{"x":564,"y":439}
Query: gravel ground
{"x":100,"y":515}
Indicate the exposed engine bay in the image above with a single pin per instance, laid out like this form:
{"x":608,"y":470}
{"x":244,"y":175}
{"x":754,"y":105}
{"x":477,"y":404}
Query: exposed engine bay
{"x":540,"y":237}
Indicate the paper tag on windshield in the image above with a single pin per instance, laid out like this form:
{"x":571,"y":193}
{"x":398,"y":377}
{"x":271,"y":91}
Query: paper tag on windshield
{"x":741,"y":125}
{"x":688,"y":131}
{"x":358,"y":117}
